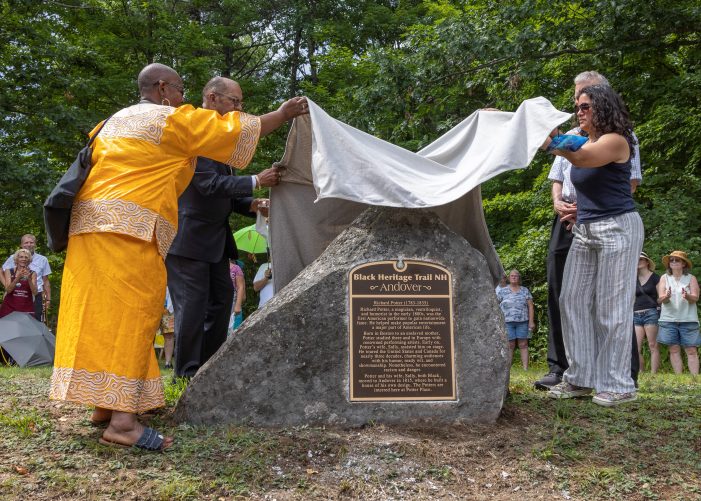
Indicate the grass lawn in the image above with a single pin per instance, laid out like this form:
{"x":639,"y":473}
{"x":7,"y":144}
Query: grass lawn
{"x":539,"y":449}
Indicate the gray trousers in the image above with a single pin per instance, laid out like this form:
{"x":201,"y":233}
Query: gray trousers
{"x":596,"y":302}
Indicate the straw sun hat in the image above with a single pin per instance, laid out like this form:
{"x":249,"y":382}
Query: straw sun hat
{"x":680,"y":254}
{"x":650,"y":263}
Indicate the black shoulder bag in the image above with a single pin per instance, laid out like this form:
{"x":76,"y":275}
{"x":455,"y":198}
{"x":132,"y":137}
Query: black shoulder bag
{"x":57,"y":207}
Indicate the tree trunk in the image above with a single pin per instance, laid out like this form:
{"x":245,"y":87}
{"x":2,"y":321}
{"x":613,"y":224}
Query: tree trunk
{"x":294,"y":63}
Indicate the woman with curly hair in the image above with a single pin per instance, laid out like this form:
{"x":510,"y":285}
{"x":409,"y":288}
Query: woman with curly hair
{"x":598,"y":287}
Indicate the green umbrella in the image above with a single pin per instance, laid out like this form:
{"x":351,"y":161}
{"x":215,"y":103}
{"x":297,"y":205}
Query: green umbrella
{"x":249,"y":240}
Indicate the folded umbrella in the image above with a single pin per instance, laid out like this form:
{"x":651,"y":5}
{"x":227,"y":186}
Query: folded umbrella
{"x":27,"y":340}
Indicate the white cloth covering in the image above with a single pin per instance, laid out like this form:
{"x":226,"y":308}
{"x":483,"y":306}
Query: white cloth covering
{"x":346,"y":170}
{"x":352,"y":165}
{"x":262,"y":224}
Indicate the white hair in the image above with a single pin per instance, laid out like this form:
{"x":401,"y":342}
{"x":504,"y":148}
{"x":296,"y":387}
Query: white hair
{"x":22,"y":251}
{"x":591,"y":77}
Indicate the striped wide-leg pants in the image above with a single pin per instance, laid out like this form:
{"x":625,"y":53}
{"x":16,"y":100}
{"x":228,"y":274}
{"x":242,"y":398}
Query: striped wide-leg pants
{"x":596,"y":302}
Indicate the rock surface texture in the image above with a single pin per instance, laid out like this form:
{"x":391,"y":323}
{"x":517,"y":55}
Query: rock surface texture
{"x":288,"y":364}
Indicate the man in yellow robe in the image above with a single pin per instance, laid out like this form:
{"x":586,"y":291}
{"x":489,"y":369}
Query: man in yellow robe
{"x":122,"y":224}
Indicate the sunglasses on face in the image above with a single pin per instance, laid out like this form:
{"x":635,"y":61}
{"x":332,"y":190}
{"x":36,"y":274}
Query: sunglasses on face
{"x":675,"y":260}
{"x":584,"y":107}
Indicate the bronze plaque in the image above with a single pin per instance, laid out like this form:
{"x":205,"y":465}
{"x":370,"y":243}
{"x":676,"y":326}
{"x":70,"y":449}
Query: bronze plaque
{"x":401,"y":332}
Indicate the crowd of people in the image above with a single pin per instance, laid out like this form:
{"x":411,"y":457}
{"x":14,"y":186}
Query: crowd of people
{"x":25,"y":278}
{"x":150,"y":216}
{"x":603,"y":297}
{"x":664,"y":312}
{"x":151,"y":222}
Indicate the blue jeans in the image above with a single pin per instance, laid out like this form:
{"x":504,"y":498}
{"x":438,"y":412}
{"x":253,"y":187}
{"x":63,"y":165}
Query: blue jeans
{"x":680,"y":333}
{"x":646,"y":317}
{"x":517,"y":330}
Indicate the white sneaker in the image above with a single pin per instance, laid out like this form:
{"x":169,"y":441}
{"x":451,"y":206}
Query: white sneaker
{"x":609,"y":398}
{"x":568,"y":390}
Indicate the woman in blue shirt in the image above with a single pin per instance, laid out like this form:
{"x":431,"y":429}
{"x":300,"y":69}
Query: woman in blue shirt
{"x":516,"y":303}
{"x":598,"y":287}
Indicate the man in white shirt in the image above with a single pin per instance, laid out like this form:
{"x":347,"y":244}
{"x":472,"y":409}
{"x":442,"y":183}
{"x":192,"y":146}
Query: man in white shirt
{"x":263,"y":283}
{"x":40,"y":265}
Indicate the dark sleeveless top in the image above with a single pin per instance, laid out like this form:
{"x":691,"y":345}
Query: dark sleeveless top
{"x":20,"y":299}
{"x":602,"y":192}
{"x":646,"y":295}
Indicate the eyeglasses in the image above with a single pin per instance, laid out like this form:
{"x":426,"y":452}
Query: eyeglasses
{"x":675,"y":260}
{"x":234,"y":100}
{"x":584,"y":107}
{"x":179,"y":88}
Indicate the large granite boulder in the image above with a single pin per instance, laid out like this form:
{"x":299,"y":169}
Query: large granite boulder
{"x":289,"y":363}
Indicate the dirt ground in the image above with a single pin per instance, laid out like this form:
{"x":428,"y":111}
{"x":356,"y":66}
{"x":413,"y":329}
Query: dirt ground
{"x":538,"y":449}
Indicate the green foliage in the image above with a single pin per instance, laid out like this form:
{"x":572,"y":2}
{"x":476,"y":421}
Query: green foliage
{"x":24,"y":423}
{"x":173,"y":389}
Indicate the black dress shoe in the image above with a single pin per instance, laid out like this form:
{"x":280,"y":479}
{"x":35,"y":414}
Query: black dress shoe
{"x":548,"y":381}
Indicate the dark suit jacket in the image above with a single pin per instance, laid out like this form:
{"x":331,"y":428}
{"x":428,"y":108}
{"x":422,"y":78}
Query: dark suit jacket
{"x":204,"y":233}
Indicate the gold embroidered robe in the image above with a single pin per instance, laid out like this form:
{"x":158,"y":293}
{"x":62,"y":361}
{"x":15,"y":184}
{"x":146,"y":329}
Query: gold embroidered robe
{"x":122,"y":224}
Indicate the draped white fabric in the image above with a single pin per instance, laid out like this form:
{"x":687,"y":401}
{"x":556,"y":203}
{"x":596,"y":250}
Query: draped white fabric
{"x":353,"y":165}
{"x":334,"y":172}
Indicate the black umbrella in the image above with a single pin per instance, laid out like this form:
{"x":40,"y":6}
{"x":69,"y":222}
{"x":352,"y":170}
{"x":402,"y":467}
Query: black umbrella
{"x":27,"y":340}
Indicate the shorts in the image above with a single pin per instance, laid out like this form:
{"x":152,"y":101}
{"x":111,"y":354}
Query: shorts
{"x":517,"y":330}
{"x":680,"y":333}
{"x":167,"y":323}
{"x":646,"y":317}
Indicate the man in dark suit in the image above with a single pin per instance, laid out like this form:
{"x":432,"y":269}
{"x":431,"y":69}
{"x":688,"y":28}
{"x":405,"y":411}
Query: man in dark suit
{"x":198,"y":260}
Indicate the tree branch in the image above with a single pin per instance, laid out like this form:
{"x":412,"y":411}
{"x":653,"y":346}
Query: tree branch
{"x":549,"y":55}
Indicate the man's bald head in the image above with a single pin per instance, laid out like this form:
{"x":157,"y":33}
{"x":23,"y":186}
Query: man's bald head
{"x":161,"y":84}
{"x":153,"y":73}
{"x":218,"y":84}
{"x":223,"y":95}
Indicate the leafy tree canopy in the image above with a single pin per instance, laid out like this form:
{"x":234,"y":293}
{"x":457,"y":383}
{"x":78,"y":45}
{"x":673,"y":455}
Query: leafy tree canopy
{"x":406,"y":71}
